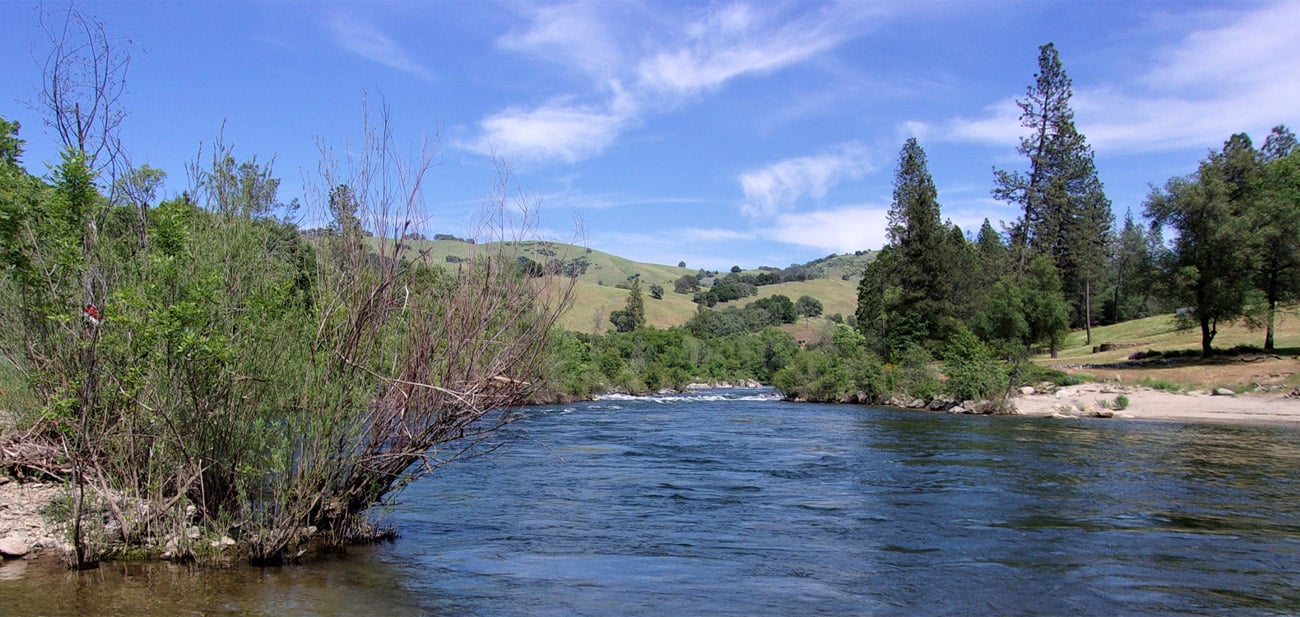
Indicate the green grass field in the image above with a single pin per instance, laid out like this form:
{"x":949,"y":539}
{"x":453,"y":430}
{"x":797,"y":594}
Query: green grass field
{"x":1161,"y":333}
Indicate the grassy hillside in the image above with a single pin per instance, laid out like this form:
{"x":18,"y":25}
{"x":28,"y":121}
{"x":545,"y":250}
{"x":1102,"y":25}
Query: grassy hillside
{"x":1161,"y":333}
{"x":1244,"y":372}
{"x":596,"y":293}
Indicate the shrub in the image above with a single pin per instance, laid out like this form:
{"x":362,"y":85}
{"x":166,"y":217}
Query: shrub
{"x":220,"y":359}
{"x":973,"y":372}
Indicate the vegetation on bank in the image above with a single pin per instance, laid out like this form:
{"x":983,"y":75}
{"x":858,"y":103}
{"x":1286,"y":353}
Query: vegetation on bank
{"x":202,"y":373}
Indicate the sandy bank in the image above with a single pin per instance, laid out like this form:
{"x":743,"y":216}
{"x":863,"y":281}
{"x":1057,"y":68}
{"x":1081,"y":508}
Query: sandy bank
{"x":1090,"y":399}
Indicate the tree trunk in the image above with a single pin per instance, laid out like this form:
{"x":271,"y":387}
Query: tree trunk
{"x":1268,"y":331}
{"x":1087,"y":309}
{"x":1207,"y":337}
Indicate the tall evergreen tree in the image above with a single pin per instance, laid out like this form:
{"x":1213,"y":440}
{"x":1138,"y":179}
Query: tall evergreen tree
{"x":1134,"y":274}
{"x":632,"y":316}
{"x":923,"y":260}
{"x":1065,"y":212}
{"x":881,"y":315}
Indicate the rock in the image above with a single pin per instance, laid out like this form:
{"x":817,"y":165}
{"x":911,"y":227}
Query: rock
{"x":223,"y":542}
{"x":1027,"y":390}
{"x":13,"y":547}
{"x":1224,"y":392}
{"x":1067,"y":410}
{"x":1103,"y":413}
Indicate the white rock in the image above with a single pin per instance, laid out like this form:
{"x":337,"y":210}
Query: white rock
{"x":1224,"y":392}
{"x":223,"y":542}
{"x":1027,"y":390}
{"x":13,"y":547}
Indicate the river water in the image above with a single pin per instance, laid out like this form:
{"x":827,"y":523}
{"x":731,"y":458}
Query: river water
{"x":730,"y":503}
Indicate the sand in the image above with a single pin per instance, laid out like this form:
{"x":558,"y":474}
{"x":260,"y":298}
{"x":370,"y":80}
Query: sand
{"x":1093,"y":399}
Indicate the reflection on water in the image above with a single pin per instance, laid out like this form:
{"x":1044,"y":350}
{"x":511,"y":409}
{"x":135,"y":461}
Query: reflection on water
{"x":358,"y":585}
{"x":713,"y":505}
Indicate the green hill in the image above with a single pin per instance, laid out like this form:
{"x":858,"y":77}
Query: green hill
{"x":599,"y":274}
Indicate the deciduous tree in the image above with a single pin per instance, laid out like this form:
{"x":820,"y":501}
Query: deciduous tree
{"x":1210,"y":268}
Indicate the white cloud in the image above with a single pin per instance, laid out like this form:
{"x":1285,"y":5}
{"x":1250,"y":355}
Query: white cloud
{"x":363,"y":39}
{"x":731,"y":42}
{"x":781,"y":185}
{"x":713,"y":235}
{"x":553,"y":132}
{"x":572,"y":35}
{"x":649,"y":68}
{"x":840,"y":230}
{"x":1240,"y":75}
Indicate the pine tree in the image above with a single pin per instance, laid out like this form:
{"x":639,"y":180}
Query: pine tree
{"x":1133,"y":273}
{"x":923,"y":261}
{"x":1065,"y":212}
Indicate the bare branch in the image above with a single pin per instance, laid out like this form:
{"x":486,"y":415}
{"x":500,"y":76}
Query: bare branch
{"x":84,"y":79}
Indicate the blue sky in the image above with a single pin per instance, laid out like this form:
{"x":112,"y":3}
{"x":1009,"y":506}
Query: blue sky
{"x":749,"y":133}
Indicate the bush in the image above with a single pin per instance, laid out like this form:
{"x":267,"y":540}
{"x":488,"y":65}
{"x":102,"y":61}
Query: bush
{"x":215,"y":357}
{"x":972,"y":369}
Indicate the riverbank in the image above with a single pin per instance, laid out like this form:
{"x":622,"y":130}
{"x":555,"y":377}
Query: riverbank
{"x":24,"y":532}
{"x":1144,"y":403}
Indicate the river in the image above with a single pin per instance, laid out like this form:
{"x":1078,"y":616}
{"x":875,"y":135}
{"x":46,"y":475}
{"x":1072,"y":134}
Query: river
{"x":731,"y":503}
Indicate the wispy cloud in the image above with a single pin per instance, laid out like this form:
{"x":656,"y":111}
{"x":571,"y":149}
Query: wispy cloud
{"x":1242,"y":74}
{"x":733,"y":41}
{"x":552,"y":132}
{"x":838,"y":230}
{"x":360,"y":37}
{"x":644,"y":71}
{"x":573,"y":35}
{"x":577,"y":200}
{"x":780,"y":186}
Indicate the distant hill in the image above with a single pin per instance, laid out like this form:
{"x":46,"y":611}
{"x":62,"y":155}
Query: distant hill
{"x":833,"y":280}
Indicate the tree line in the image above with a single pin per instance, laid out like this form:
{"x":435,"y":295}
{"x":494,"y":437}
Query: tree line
{"x":974,"y":308}
{"x":1062,"y":264}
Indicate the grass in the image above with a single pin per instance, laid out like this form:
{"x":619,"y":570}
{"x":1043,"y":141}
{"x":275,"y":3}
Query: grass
{"x":1241,"y":371}
{"x":1161,"y":333}
{"x":1161,"y":384}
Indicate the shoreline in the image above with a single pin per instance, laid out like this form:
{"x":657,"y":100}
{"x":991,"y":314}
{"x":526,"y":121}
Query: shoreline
{"x":23,"y":525}
{"x":1097,"y":400}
